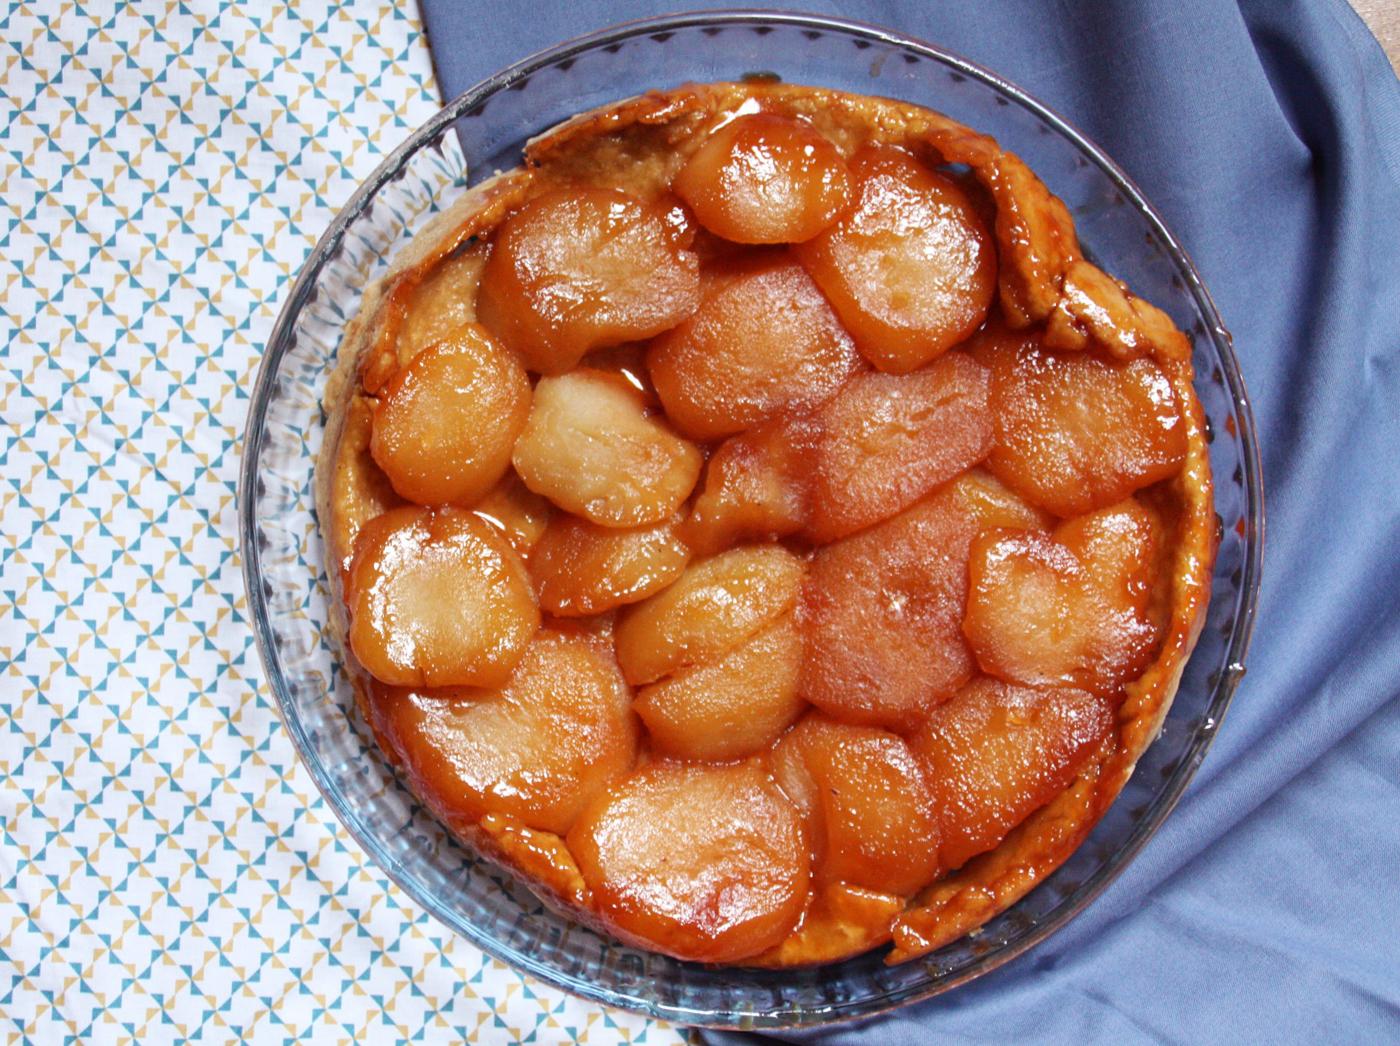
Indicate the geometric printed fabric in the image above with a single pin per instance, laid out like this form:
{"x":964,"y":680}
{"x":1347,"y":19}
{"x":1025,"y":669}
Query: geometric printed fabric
{"x":167,"y":869}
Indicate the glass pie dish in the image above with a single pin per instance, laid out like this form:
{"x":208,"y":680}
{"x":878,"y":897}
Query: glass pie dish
{"x":483,"y":131}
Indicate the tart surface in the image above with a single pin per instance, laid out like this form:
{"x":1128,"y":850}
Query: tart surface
{"x":756,"y":524}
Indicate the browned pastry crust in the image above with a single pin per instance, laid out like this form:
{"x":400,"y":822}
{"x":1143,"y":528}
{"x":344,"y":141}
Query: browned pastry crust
{"x":1043,"y":279}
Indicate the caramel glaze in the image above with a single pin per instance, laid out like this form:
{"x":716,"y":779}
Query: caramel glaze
{"x":638,"y":145}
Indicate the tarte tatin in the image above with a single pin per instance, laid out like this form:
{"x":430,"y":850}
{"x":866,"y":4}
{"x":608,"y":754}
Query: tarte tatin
{"x":755,"y":523}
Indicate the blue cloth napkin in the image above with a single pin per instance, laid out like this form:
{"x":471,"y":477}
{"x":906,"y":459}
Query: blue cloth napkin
{"x":1268,"y":907}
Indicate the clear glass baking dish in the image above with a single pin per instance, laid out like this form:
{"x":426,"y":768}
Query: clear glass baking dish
{"x":482,"y":131}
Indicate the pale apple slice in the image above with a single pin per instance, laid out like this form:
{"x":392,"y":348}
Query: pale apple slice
{"x":590,"y":447}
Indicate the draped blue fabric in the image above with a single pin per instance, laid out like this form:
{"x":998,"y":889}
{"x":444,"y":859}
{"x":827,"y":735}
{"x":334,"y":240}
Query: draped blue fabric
{"x":1267,"y":909}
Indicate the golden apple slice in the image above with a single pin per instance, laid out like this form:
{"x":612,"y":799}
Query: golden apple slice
{"x":1076,"y":432}
{"x":702,"y":862}
{"x":578,"y":269}
{"x":581,"y":568}
{"x":437,"y":597}
{"x":996,"y":753}
{"x":516,"y":511}
{"x":732,"y":707}
{"x":888,"y":439}
{"x":763,"y":343}
{"x":1069,"y":609}
{"x":715,"y":605}
{"x":445,"y":424}
{"x":764,"y":178}
{"x":555,"y":736}
{"x":910,"y":267}
{"x":882,"y":610}
{"x":756,"y":486}
{"x":866,"y":803}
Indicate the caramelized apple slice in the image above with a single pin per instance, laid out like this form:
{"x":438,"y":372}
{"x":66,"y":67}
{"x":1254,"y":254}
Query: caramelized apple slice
{"x":732,"y":707}
{"x":756,"y":486}
{"x":555,"y":736}
{"x":1069,"y":609}
{"x":716,"y":604}
{"x":996,"y":753}
{"x":581,"y":568}
{"x":764,"y":178}
{"x":1074,"y":431}
{"x":991,"y":503}
{"x":880,"y":444}
{"x":516,"y":511}
{"x":764,"y":343}
{"x":437,"y":597}
{"x":442,"y":303}
{"x":591,"y":448}
{"x":910,"y":267}
{"x":882,"y":610}
{"x":445,"y":424}
{"x":866,"y":804}
{"x":578,"y":269}
{"x":887,"y":440}
{"x":706,"y":863}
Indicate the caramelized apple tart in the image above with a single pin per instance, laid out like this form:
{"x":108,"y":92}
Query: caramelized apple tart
{"x":754,"y":522}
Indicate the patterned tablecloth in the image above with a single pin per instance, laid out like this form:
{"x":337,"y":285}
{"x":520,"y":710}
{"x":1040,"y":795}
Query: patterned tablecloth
{"x":167,"y":870}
